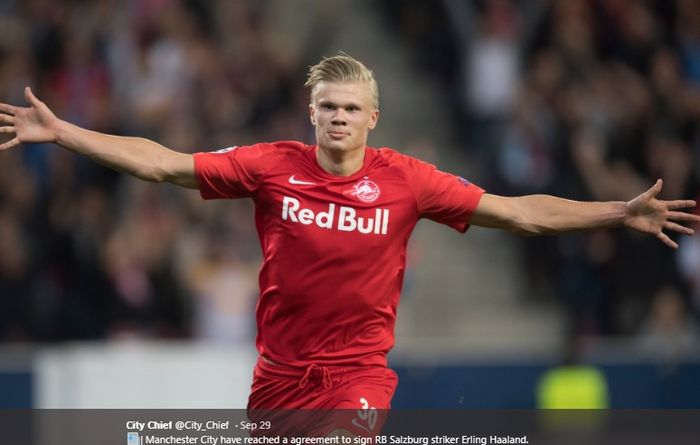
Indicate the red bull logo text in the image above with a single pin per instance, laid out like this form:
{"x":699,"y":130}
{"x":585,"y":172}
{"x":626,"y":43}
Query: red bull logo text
{"x":346,"y":221}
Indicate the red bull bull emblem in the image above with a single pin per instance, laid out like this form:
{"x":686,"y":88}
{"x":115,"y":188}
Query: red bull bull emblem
{"x":365,"y":191}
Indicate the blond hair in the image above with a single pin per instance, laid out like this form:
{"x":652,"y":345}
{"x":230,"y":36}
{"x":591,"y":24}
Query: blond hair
{"x":343,"y":69}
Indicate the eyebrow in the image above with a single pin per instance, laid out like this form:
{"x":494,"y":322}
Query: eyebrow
{"x":322,"y":102}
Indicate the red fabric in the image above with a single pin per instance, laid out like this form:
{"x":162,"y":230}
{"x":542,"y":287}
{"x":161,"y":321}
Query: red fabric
{"x":355,"y":399}
{"x":321,"y":387}
{"x":334,"y":248}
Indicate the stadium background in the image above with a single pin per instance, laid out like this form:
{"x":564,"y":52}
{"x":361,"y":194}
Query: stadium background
{"x":118,"y":293}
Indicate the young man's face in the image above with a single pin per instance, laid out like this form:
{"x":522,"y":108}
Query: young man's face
{"x":343,"y":114}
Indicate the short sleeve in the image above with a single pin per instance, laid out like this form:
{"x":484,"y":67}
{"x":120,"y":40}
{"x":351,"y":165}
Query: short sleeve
{"x":444,"y":197}
{"x":233,"y":172}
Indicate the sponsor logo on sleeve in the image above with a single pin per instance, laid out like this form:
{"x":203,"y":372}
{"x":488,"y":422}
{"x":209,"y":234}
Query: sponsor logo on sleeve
{"x":463,"y":181}
{"x":225,"y":150}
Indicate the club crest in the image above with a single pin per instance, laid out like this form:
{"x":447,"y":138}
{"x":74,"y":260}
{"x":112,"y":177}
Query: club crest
{"x":365,"y":190}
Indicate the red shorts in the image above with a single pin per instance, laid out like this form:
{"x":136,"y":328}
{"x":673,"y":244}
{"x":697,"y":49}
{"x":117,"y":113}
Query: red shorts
{"x":360,"y":396}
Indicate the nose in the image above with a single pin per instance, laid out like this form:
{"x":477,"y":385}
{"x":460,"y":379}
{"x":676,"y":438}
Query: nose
{"x":339,"y":117}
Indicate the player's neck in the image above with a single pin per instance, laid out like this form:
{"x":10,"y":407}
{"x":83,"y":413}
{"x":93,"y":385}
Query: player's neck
{"x":340,"y":162}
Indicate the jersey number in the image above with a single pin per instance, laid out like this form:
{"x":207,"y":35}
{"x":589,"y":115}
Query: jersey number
{"x":366,"y":416}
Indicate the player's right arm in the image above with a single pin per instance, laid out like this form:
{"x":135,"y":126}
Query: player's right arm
{"x":544,"y":214}
{"x":139,"y":157}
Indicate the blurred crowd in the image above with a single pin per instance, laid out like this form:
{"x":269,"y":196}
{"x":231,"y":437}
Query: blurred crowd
{"x":87,"y":253}
{"x":591,"y":100}
{"x":587,"y":99}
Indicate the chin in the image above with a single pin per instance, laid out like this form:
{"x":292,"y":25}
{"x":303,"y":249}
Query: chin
{"x":336,"y":145}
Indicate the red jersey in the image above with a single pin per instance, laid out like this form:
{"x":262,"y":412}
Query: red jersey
{"x":334,"y":248}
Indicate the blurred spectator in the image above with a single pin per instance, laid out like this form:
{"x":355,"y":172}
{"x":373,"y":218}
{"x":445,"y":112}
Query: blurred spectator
{"x":689,"y":265}
{"x":225,"y":290}
{"x":590,"y":99}
{"x":688,"y":35}
{"x":594,"y":100}
{"x":669,"y":331}
{"x":16,"y":286}
{"x":492,"y":69}
{"x":89,"y":253}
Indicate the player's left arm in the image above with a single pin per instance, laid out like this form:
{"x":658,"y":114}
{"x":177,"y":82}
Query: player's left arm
{"x":544,"y":214}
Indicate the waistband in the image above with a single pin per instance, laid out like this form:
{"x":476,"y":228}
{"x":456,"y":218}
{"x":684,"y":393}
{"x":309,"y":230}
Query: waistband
{"x":311,"y":372}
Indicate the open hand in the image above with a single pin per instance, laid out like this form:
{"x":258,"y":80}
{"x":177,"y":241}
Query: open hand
{"x":647,"y":214}
{"x":29,"y":124}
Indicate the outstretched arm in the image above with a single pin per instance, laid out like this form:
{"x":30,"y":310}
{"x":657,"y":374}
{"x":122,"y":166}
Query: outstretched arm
{"x":544,"y":214}
{"x":139,"y":157}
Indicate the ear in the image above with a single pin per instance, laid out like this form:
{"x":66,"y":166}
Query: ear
{"x":373,"y":118}
{"x":312,"y":114}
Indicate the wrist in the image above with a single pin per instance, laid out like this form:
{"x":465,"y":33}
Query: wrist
{"x":59,"y":130}
{"x":625,"y":210}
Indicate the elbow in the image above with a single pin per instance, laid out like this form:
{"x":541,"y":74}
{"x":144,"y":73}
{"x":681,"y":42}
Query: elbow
{"x":517,"y":219}
{"x":527,"y":231}
{"x":527,"y":228}
{"x":514,"y":215}
{"x":151,"y":175}
{"x":158,"y":176}
{"x":530,"y":230}
{"x":528,"y":223}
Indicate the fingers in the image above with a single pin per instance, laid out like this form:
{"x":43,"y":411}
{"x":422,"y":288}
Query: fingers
{"x":670,"y":225}
{"x":9,"y":144}
{"x":680,"y":204}
{"x":31,"y":98}
{"x":8,"y":109}
{"x":682,"y":216}
{"x":655,"y":189}
{"x":7,"y":119}
{"x":666,"y":240}
{"x":678,"y":228}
